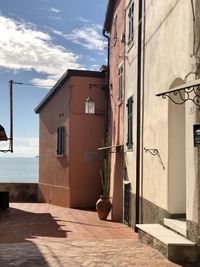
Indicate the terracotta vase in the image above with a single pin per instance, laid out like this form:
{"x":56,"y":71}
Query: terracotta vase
{"x":103,"y":207}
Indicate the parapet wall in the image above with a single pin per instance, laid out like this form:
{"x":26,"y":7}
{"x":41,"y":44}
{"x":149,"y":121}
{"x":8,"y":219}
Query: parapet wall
{"x":21,"y":192}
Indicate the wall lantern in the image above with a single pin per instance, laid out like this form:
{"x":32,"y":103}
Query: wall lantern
{"x":89,"y":106}
{"x":196,"y":132}
{"x":3,"y":136}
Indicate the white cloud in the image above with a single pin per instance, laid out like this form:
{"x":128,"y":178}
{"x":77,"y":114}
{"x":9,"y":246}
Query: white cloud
{"x":83,"y":19}
{"x":55,"y":18}
{"x":95,"y":67}
{"x":89,"y":37}
{"x":55,"y":10}
{"x":25,"y":48}
{"x":23,"y":147}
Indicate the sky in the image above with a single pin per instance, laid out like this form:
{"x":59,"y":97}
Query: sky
{"x":39,"y":41}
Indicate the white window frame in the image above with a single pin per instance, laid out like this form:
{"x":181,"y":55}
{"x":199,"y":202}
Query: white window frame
{"x":120,"y":82}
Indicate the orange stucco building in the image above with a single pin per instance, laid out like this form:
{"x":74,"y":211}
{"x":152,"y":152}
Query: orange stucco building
{"x":69,"y":163}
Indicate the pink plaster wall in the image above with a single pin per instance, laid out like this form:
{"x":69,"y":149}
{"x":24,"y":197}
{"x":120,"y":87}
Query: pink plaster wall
{"x":54,"y":171}
{"x":117,"y":111}
{"x":72,"y":180}
{"x":87,"y":133}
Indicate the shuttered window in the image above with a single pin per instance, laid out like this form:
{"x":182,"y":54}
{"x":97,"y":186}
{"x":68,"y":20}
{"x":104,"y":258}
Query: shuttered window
{"x":120,"y":83}
{"x":130,"y":23}
{"x":60,"y":141}
{"x":129,"y":106}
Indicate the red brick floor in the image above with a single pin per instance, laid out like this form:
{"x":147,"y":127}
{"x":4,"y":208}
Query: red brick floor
{"x":45,"y":235}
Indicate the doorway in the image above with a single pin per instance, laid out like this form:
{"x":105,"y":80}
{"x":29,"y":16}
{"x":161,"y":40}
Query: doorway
{"x":176,"y":160}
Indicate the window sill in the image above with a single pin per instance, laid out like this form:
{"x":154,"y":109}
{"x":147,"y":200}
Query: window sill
{"x":120,"y":102}
{"x":129,"y":150}
{"x":60,"y":156}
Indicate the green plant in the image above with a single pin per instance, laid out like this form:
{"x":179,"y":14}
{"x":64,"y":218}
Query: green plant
{"x":105,"y":172}
{"x":105,"y":176}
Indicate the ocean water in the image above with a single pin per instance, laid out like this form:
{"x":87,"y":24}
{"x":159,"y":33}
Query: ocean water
{"x":19,"y":170}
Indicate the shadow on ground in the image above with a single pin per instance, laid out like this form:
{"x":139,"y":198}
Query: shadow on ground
{"x":19,"y":225}
{"x":18,"y":228}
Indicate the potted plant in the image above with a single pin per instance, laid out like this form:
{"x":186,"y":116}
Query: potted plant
{"x":103,"y":205}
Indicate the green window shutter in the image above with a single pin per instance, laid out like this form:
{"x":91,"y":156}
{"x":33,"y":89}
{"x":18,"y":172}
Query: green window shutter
{"x":129,"y":106}
{"x":60,"y":140}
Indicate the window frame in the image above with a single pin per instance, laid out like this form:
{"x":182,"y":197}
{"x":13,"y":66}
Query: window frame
{"x":115,"y":30}
{"x":131,"y":13}
{"x":120,"y":82}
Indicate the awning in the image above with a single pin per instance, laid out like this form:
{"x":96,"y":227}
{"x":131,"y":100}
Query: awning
{"x":186,"y":92}
{"x":112,"y":149}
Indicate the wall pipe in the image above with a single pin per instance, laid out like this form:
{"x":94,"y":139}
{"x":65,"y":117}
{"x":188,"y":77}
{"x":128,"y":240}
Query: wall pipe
{"x":139,"y":67}
{"x":107,"y":83}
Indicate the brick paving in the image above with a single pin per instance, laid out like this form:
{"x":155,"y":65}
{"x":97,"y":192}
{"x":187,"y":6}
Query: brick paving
{"x":45,"y":235}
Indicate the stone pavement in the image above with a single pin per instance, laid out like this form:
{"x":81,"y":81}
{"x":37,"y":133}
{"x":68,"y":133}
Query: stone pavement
{"x":45,"y":235}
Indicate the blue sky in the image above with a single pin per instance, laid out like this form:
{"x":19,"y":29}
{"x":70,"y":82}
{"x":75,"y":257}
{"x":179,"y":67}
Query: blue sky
{"x":40,"y":40}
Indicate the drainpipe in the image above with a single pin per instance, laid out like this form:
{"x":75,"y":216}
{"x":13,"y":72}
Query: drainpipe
{"x":107,"y":83}
{"x":139,"y":65}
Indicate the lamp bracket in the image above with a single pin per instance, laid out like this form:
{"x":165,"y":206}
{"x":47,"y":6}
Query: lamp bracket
{"x":181,"y":95}
{"x":155,"y":152}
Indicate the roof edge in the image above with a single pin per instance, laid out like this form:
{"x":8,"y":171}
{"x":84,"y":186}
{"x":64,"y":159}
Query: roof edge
{"x":109,"y":15}
{"x":69,"y":73}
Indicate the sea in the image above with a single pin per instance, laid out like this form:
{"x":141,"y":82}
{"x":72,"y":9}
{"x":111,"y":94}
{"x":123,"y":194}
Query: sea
{"x":19,"y":170}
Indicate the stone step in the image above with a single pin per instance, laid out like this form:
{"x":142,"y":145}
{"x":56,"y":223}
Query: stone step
{"x":173,"y":246}
{"x":177,"y":225}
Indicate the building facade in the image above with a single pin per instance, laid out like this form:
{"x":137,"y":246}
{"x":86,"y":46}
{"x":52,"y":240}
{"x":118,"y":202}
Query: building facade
{"x":69,"y":163}
{"x":159,"y":48}
{"x":114,"y":26}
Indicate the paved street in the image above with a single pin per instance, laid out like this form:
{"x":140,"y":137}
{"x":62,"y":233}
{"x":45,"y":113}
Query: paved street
{"x":45,"y":235}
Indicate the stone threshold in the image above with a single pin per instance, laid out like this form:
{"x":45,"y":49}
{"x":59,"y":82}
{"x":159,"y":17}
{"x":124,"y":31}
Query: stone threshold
{"x":172,"y":245}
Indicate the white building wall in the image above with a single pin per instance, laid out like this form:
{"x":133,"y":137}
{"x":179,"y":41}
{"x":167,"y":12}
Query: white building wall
{"x":131,"y":90}
{"x":168,"y":49}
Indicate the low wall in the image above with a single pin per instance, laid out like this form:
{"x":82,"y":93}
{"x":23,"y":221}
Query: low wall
{"x":21,"y":192}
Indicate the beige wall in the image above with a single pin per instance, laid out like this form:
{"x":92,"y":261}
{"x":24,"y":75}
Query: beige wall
{"x":168,"y":49}
{"x":131,"y":90}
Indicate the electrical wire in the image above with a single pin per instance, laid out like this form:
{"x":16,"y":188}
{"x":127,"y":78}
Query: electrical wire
{"x":30,"y":84}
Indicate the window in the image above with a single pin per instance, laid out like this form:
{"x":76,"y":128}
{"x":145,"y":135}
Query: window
{"x":115,"y":31}
{"x":120,"y":83}
{"x":130,"y":23}
{"x":60,"y":141}
{"x":130,"y":123}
